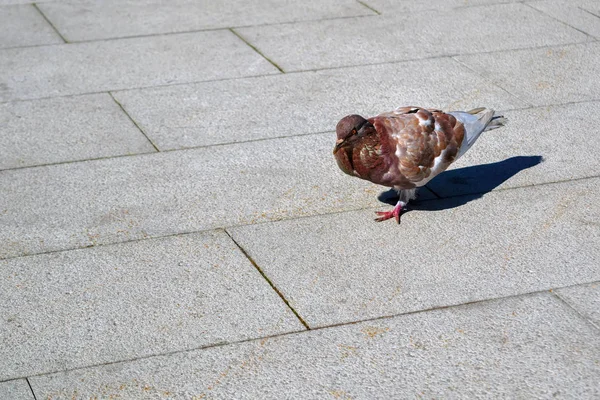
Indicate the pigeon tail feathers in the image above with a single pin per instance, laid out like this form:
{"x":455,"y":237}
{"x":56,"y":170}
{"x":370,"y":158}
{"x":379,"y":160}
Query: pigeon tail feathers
{"x":498,"y":121}
{"x":476,"y":121}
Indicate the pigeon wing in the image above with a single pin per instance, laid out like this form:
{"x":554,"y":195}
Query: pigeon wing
{"x":424,"y":143}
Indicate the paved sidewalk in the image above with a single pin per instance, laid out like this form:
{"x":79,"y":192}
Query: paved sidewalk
{"x":173,"y":224}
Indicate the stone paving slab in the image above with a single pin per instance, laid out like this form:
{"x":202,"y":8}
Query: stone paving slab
{"x":585,"y":299}
{"x":79,"y":68}
{"x":543,"y":76}
{"x":23,"y":25}
{"x":394,"y":6}
{"x":591,"y":6}
{"x":395,"y":37}
{"x":90,"y":322}
{"x":11,"y":2}
{"x":347,"y":268}
{"x":572,"y":13}
{"x":526,"y":347}
{"x":287,"y":104}
{"x":66,"y":129}
{"x":506,"y":158}
{"x":91,"y":20}
{"x":110,"y":303}
{"x":15,"y":390}
{"x":113,"y":200}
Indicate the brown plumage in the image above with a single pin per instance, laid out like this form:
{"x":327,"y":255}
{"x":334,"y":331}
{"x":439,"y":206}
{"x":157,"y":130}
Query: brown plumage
{"x":406,"y":148}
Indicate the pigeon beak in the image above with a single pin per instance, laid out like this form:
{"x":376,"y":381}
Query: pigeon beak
{"x":338,"y":145}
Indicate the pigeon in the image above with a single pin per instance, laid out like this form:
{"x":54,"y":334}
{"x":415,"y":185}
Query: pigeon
{"x":406,"y":148}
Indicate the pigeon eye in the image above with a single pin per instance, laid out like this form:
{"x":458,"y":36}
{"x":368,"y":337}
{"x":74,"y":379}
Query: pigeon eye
{"x":353,"y":131}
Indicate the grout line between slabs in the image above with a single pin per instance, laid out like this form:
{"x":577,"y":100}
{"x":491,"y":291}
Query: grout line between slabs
{"x":491,"y":81}
{"x":534,"y":106}
{"x":368,"y":6}
{"x":558,"y":20}
{"x":134,"y":122}
{"x":168,"y":150}
{"x":31,"y":388}
{"x":574,"y":309}
{"x":165,"y":354}
{"x":495,"y":3}
{"x":589,"y":12}
{"x":441,"y":56}
{"x":258,"y":25}
{"x":27,"y":46}
{"x":200,"y":30}
{"x":264,"y":275}
{"x":291,"y":333}
{"x":260,"y":53}
{"x":263,"y":139}
{"x":158,"y":86}
{"x":526,"y":106}
{"x":209,"y":229}
{"x":300,"y":71}
{"x":116,"y":156}
{"x":49,"y":23}
{"x":531,"y":185}
{"x":364,"y":208}
{"x":433,"y":308}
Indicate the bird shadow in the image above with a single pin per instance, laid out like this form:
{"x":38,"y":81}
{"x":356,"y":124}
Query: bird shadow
{"x":460,"y":186}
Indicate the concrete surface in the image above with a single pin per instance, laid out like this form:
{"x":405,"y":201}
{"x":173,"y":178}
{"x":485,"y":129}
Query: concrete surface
{"x":16,"y":390}
{"x":131,"y":300}
{"x":407,"y":36}
{"x":125,"y":198}
{"x":448,"y":252}
{"x":505,"y":158}
{"x":525,"y":347}
{"x":66,"y":129}
{"x":408,"y":6}
{"x":585,"y":299}
{"x":80,"y":68}
{"x":23,"y":25}
{"x":173,"y":224}
{"x":580,"y":14}
{"x":181,"y":116}
{"x":554,"y":75}
{"x":90,"y":20}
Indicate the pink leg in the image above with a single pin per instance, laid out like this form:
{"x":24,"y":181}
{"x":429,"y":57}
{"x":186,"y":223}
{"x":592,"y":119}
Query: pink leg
{"x":383,"y":215}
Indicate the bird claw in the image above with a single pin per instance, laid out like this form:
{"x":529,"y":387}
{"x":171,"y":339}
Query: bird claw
{"x":384,"y":215}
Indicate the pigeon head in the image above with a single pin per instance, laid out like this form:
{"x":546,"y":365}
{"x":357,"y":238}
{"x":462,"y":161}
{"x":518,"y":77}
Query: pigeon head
{"x":350,"y":130}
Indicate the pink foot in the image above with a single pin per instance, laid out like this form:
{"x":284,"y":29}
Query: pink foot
{"x":383,"y":215}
